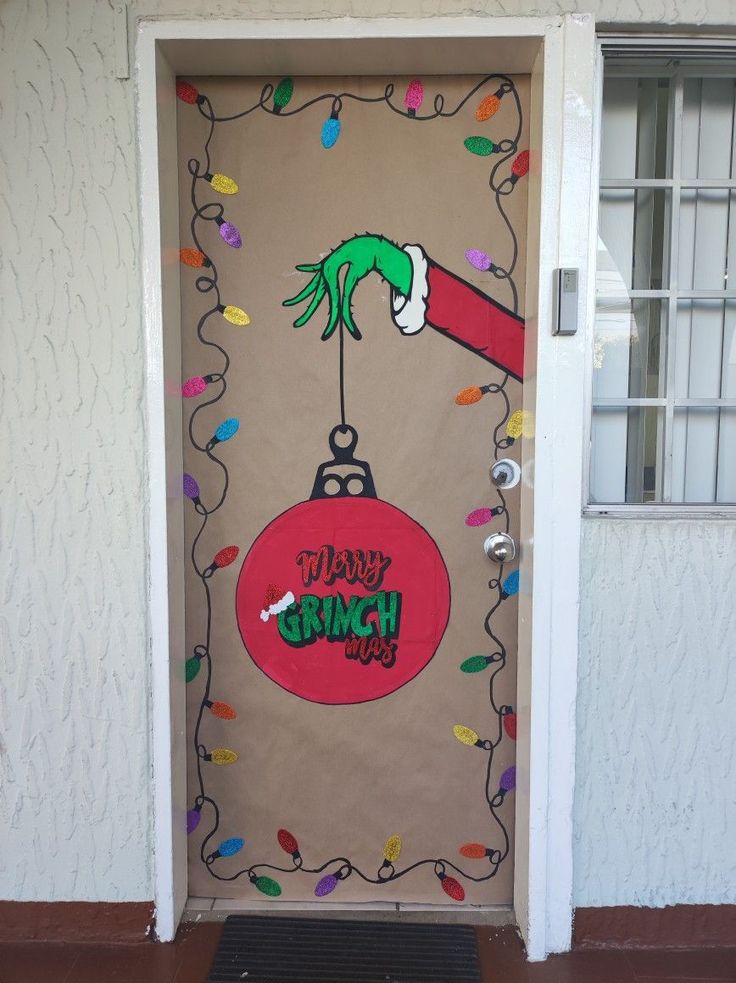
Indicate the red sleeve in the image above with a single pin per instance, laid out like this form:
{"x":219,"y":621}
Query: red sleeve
{"x":475,"y":321}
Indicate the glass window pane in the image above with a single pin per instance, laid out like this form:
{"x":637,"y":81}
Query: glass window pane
{"x":633,"y":230}
{"x":634,"y":133}
{"x":705,"y":349}
{"x":707,"y":240}
{"x":627,"y":453}
{"x":704,"y":455}
{"x":629,"y":358}
{"x":708,"y":127}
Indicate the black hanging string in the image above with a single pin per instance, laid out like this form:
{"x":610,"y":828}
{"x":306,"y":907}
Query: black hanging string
{"x":205,"y":283}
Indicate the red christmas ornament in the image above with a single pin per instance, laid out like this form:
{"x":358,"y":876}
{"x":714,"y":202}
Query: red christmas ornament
{"x":287,"y":842}
{"x":186,"y":92}
{"x":343,"y":598}
{"x":452,"y":888}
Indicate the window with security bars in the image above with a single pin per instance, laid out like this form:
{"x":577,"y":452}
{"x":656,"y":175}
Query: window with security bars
{"x":664,"y":376}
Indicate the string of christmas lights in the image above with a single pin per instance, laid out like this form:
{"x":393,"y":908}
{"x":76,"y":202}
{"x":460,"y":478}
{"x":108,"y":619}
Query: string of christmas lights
{"x":213,"y":385}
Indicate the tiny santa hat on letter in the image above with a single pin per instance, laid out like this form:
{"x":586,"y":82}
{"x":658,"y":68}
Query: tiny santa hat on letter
{"x":275,"y":601}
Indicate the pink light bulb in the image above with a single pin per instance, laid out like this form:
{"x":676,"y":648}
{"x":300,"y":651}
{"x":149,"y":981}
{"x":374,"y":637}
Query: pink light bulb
{"x":193,"y":387}
{"x":414,"y":96}
{"x":479,"y":517}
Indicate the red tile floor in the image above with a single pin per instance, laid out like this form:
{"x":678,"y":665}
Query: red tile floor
{"x":187,"y":961}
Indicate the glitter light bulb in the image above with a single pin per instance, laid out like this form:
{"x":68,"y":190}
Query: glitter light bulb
{"x":288,"y":842}
{"x":228,"y":848}
{"x":392,"y":849}
{"x":452,"y":888}
{"x":192,"y":667}
{"x":325,"y":886}
{"x":471,"y":394}
{"x":229,"y":233}
{"x":509,"y":721}
{"x":221,"y":756}
{"x":222,"y":183}
{"x":480,"y":260}
{"x":226,"y":431}
{"x":520,"y":167}
{"x":476,"y":663}
{"x":191,"y":488}
{"x":282,"y":95}
{"x":473,"y":851}
{"x":193,"y":257}
{"x":193,"y":817}
{"x":197,"y":385}
{"x":479,"y":517}
{"x":489,"y":106}
{"x":414,"y":96}
{"x":235,"y":315}
{"x":508,"y":779}
{"x":510,"y":585}
{"x":331,"y":130}
{"x":219,"y":709}
{"x":520,"y":424}
{"x":226,"y":556}
{"x":187,"y":92}
{"x":466,"y":735}
{"x":267,"y":886}
{"x":480,"y":146}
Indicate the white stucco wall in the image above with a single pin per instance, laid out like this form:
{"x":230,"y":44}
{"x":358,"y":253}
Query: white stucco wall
{"x":76,"y":771}
{"x":656,"y":778}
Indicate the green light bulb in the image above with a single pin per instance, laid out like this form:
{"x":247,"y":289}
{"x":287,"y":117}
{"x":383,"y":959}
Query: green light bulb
{"x":267,"y":885}
{"x":476,"y":663}
{"x":480,"y":146}
{"x":191,"y":668}
{"x":282,"y":95}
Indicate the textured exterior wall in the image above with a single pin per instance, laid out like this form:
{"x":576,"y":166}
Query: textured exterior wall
{"x":656,"y":775}
{"x":76,"y":786}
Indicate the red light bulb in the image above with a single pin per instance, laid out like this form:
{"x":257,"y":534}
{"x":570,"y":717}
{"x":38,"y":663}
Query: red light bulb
{"x":474,"y":851}
{"x":520,"y":167}
{"x":509,"y":723}
{"x":186,"y":92}
{"x":226,"y":556}
{"x":219,"y":709}
{"x":452,"y":888}
{"x":287,"y":842}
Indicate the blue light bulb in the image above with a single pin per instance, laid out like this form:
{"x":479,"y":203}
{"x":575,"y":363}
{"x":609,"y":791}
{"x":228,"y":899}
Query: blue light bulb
{"x":228,"y":848}
{"x":330,"y":131}
{"x":227,"y":429}
{"x":511,"y":584}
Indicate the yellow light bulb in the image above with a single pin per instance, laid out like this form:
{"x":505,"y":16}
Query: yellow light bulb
{"x":465,"y":735}
{"x":392,"y":849}
{"x":223,"y":756}
{"x":224,"y":184}
{"x":520,"y":424}
{"x":235,"y":315}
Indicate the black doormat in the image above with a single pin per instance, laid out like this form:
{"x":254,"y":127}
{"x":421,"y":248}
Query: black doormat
{"x":311,"y":950}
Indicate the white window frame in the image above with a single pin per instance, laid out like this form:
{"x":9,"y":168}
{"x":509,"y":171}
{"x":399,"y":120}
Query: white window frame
{"x":702,"y":51}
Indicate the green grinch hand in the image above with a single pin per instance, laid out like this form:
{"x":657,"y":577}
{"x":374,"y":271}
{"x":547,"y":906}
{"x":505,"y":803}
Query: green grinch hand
{"x":361,"y":255}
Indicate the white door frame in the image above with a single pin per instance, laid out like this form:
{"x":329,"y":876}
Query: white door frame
{"x":563,"y":90}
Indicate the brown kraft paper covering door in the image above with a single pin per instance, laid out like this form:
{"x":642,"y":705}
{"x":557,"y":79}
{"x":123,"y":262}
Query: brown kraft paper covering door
{"x":351,"y":650}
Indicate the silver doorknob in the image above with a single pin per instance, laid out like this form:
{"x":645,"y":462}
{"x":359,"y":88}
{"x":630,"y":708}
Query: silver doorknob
{"x":500,"y":547}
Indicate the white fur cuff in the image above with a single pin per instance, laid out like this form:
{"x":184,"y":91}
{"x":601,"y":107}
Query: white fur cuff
{"x":408,"y":312}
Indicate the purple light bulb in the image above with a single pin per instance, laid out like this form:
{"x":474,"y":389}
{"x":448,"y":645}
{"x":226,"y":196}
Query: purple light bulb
{"x":193,"y":817}
{"x":480,"y":260}
{"x":191,"y":488}
{"x":230,"y":234}
{"x":326,"y":886}
{"x":508,"y":779}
